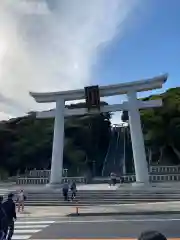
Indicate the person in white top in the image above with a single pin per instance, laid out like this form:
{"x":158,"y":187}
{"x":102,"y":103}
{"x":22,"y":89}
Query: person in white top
{"x":20,"y":200}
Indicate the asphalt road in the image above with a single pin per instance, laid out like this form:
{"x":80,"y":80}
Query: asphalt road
{"x":110,"y":228}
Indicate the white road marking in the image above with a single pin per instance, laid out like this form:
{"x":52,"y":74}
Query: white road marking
{"x":30,"y":226}
{"x":27,"y":231}
{"x":19,"y":237}
{"x":120,"y":220}
{"x":34,"y":222}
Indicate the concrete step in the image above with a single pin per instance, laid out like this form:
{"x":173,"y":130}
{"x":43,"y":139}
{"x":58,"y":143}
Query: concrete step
{"x":90,"y":201}
{"x":98,"y":196}
{"x":84,"y":203}
{"x":49,"y":197}
{"x":104,"y":194}
{"x":123,"y":190}
{"x":105,"y":200}
{"x":99,"y":193}
{"x":109,"y":199}
{"x":106,"y":197}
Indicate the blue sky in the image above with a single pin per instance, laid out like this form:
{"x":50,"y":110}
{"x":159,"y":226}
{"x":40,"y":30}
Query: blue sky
{"x":73,"y":44}
{"x":148,"y":48}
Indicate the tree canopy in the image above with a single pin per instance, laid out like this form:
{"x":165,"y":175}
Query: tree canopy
{"x":26,"y":143}
{"x":161,"y":128}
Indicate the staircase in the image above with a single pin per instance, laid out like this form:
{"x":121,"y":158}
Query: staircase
{"x":101,"y":197}
{"x":129,"y":162}
{"x":114,"y":158}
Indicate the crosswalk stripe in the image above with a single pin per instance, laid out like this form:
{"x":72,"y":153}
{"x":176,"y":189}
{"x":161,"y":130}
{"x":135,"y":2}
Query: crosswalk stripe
{"x":19,"y":237}
{"x":24,"y":230}
{"x":33,"y":222}
{"x":30,"y":226}
{"x":27,"y":231}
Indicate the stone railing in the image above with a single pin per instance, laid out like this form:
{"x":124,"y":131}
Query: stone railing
{"x":37,"y":181}
{"x":39,"y":173}
{"x":165,"y":169}
{"x":74,"y":179}
{"x":127,"y":179}
{"x":155,"y":178}
{"x":44,"y":173}
{"x":32,"y":181}
{"x":153,"y":170}
{"x":157,"y":173}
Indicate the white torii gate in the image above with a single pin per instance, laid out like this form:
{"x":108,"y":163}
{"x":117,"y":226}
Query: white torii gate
{"x":133,"y":105}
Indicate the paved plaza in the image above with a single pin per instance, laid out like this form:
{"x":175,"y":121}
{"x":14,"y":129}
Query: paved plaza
{"x":124,"y":209}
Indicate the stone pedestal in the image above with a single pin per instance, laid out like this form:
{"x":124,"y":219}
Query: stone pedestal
{"x":141,"y":185}
{"x":54,"y":186}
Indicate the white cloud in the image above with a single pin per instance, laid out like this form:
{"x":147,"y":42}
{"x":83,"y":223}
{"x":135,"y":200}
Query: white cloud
{"x":47,"y":45}
{"x":5,"y":116}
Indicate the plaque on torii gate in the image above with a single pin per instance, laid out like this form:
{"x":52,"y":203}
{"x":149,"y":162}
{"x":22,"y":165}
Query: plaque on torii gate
{"x":92,"y":96}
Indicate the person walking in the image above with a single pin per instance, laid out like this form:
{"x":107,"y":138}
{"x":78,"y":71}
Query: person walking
{"x":10,"y":210}
{"x":20,"y":200}
{"x":65,"y":191}
{"x":73,"y":190}
{"x":113,"y":179}
{"x":3,"y":220}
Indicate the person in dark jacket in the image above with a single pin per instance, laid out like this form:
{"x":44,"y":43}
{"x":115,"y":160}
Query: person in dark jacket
{"x":113,"y":179}
{"x":65,"y":191}
{"x":10,"y":210}
{"x":151,"y":235}
{"x":73,"y":190}
{"x":3,"y":220}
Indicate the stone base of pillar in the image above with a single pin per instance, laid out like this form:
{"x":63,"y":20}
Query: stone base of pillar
{"x":54,"y":185}
{"x":141,"y":184}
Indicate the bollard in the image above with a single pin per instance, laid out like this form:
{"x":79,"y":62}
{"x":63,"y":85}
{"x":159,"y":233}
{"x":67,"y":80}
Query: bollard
{"x":77,"y":209}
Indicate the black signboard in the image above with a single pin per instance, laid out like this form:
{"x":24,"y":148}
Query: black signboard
{"x":92,"y":97}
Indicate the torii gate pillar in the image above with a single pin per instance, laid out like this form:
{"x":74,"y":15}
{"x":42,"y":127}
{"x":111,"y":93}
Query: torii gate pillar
{"x":58,"y":144}
{"x":137,"y":139}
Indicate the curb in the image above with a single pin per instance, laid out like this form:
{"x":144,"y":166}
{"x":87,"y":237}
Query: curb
{"x":122,"y":213}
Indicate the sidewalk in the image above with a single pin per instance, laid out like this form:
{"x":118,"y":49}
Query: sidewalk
{"x":54,"y":211}
{"x":124,"y":209}
{"x":131,"y":209}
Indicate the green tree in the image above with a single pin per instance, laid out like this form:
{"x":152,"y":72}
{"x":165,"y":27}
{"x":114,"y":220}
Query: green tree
{"x":161,"y":128}
{"x":26,"y":142}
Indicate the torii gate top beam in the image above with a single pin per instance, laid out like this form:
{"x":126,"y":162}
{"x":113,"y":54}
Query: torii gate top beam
{"x":110,"y":90}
